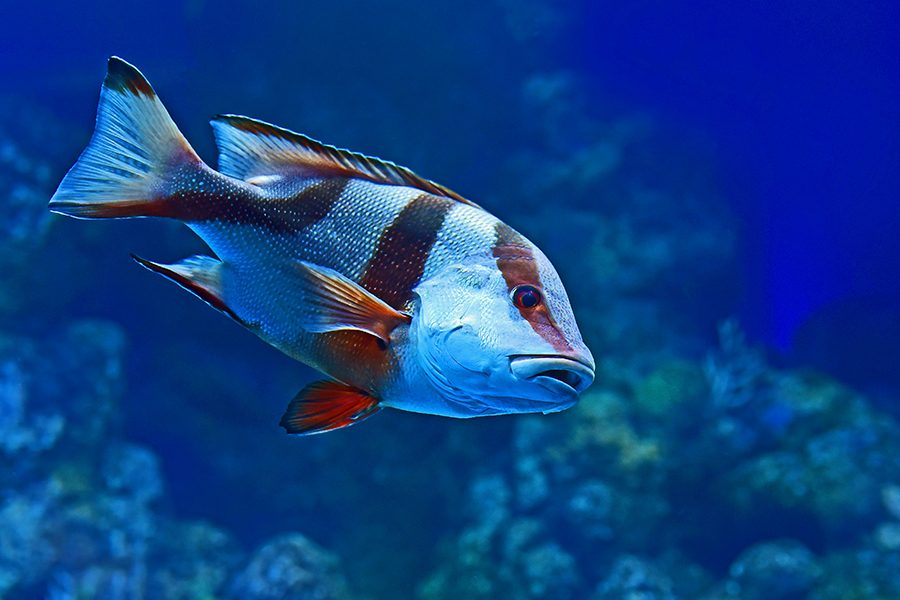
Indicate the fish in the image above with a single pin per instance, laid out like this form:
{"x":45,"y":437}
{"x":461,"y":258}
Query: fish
{"x":401,"y":292}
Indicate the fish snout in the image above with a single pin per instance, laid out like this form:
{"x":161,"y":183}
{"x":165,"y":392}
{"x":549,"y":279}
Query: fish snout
{"x":558,"y":374}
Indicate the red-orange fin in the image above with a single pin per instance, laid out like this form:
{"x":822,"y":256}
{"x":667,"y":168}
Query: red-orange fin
{"x":335,"y":303}
{"x":200,"y":275}
{"x":326,"y":405}
{"x":127,"y":167}
{"x":249,"y":148}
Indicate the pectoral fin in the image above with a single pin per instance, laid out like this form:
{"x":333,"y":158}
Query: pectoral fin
{"x":326,"y":405}
{"x":334,"y":302}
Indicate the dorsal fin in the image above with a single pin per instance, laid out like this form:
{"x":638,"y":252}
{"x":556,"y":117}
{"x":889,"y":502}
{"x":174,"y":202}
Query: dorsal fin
{"x":251,"y":149}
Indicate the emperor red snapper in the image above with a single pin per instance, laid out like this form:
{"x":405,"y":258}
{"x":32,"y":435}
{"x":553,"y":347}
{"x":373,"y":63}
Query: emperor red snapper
{"x":402,"y":292}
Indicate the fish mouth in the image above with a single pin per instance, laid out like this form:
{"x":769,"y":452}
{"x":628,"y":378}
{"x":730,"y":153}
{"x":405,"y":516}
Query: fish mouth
{"x":559,"y":374}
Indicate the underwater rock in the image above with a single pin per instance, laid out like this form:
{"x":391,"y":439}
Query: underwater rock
{"x":86,"y":542}
{"x":490,"y":499}
{"x":735,"y":371}
{"x":539,"y":567}
{"x":53,"y":399}
{"x":863,"y":572}
{"x":834,"y":473}
{"x":56,"y":407}
{"x":532,"y":485}
{"x":887,"y":536}
{"x":290,"y":567}
{"x":672,"y":390}
{"x":632,"y":578}
{"x":21,"y":431}
{"x":118,"y":547}
{"x":191,"y":560}
{"x":778,"y":570}
{"x":764,"y":445}
{"x":502,"y":556}
{"x":80,"y":513}
{"x":133,"y":471}
{"x":590,"y":509}
{"x":26,"y":552}
{"x":516,"y":561}
{"x":890,"y":497}
{"x":174,"y":561}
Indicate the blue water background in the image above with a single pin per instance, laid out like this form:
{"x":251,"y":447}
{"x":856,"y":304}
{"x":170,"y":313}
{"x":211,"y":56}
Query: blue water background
{"x":765,"y":135}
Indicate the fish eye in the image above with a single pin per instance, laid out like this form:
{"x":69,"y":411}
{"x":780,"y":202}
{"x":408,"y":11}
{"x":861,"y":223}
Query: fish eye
{"x":526,"y":296}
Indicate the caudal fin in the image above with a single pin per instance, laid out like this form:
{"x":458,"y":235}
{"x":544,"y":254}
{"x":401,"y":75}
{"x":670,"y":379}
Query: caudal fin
{"x":126,"y":169}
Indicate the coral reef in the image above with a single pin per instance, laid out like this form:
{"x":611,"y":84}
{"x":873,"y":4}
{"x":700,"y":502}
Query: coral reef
{"x":290,"y":566}
{"x":631,"y":578}
{"x":81,"y":510}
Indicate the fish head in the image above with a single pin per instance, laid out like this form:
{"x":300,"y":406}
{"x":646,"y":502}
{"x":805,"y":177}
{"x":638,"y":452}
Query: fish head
{"x":496,"y":335}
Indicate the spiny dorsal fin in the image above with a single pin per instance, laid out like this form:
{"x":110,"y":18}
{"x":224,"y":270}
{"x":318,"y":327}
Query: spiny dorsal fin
{"x":250,"y":149}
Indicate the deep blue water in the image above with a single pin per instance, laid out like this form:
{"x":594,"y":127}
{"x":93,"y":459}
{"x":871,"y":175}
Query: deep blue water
{"x":802,"y":102}
{"x":799,"y":102}
{"x":687,"y":168}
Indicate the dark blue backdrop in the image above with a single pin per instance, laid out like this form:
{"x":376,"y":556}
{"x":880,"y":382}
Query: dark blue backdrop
{"x":802,"y":99}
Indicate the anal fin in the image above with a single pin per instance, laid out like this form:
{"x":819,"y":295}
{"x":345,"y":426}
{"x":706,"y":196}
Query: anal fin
{"x":200,"y":275}
{"x":326,"y":405}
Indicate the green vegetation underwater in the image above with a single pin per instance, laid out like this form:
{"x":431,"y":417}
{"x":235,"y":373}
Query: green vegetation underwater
{"x":715,"y":184}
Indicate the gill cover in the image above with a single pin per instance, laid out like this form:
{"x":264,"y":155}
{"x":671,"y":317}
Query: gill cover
{"x":467,"y":331}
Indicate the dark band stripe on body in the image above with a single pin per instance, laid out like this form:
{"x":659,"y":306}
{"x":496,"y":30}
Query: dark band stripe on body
{"x":224,"y":201}
{"x":518,"y":265}
{"x":403,"y":248}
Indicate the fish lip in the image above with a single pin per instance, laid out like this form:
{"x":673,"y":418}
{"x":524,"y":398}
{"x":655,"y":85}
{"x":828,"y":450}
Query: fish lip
{"x":570,"y":376}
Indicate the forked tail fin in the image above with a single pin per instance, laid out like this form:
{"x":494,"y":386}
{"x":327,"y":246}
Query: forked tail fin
{"x":127,"y":168}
